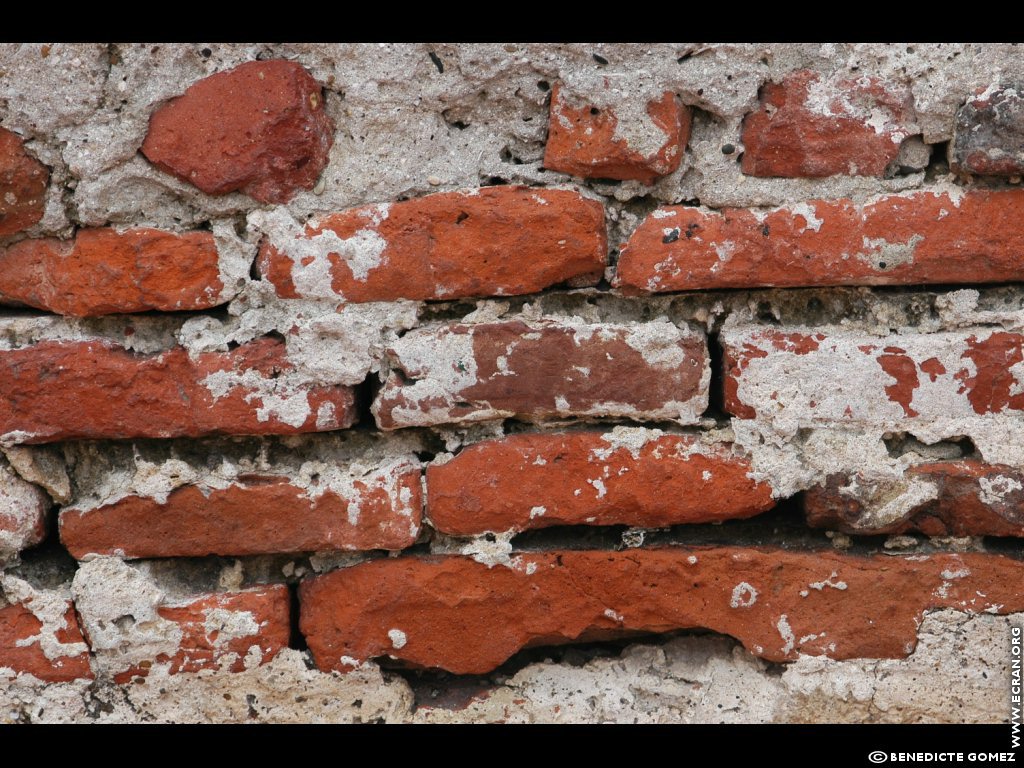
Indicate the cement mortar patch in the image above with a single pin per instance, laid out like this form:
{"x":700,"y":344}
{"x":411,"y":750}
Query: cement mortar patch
{"x":118,"y":606}
{"x":49,"y":607}
{"x":22,"y":513}
{"x":103,"y":474}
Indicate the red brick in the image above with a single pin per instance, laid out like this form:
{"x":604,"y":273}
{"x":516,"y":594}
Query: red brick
{"x":57,"y":390}
{"x":538,"y":480}
{"x":259,"y":128}
{"x":495,"y":241}
{"x":921,"y":237}
{"x":989,"y":136}
{"x":971,"y":498}
{"x":22,"y":513}
{"x":807,"y":126}
{"x":22,"y":641}
{"x":257,"y":515}
{"x":210,"y":637}
{"x":582,"y":140}
{"x":856,"y":378}
{"x":543,"y":370}
{"x":103,"y":271}
{"x":23,"y":181}
{"x":468,"y":618}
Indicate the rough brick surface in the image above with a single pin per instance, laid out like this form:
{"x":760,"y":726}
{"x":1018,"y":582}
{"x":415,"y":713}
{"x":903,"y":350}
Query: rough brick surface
{"x":956,"y":498}
{"x":989,"y":137}
{"x":519,"y":268}
{"x":260,"y":128}
{"x":587,"y":140}
{"x":235,"y":630}
{"x":851,"y":378}
{"x":263,"y":515}
{"x":50,"y":651}
{"x":810,"y":126}
{"x":465,"y":617}
{"x":921,"y":237}
{"x":23,"y":181}
{"x":590,"y":478}
{"x":496,"y":241}
{"x":94,"y":389}
{"x":22,"y":513}
{"x":103,"y":271}
{"x":544,"y":370}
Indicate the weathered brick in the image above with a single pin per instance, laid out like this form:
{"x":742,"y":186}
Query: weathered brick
{"x":495,"y":241}
{"x":921,"y":237}
{"x":808,"y":126}
{"x":260,"y":128}
{"x":259,"y":514}
{"x":233,"y":630}
{"x":103,"y":271}
{"x":855,"y":378}
{"x":23,"y":181}
{"x":631,"y":477}
{"x":50,"y":650}
{"x":468,"y":618}
{"x":951,"y":498}
{"x":544,"y":370}
{"x":56,"y":390}
{"x":988,"y":138}
{"x":595,"y":142}
{"x":22,"y":513}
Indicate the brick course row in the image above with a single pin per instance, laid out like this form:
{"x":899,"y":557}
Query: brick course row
{"x":506,"y":241}
{"x":467,"y":617}
{"x":529,"y":482}
{"x":533,"y":371}
{"x":778,"y":603}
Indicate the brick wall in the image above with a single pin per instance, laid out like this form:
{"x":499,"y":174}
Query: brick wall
{"x":501,"y":382}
